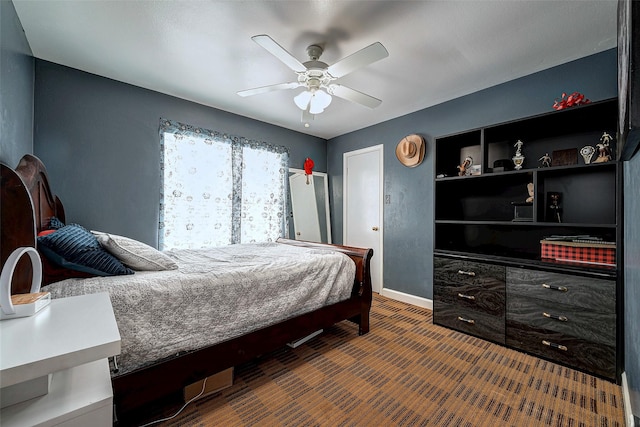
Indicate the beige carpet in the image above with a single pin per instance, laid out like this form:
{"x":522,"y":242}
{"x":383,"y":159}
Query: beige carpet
{"x":405,"y":372}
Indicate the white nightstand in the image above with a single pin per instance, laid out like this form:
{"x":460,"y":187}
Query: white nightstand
{"x":53,"y":365}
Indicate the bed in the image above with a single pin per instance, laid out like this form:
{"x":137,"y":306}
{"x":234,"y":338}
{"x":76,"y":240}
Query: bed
{"x":28,"y":204}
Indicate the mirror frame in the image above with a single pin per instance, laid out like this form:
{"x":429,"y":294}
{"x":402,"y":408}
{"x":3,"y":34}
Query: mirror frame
{"x":325,"y":178}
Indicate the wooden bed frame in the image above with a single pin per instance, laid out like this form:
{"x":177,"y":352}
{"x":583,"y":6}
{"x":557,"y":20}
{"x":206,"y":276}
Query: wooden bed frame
{"x":28,"y":203}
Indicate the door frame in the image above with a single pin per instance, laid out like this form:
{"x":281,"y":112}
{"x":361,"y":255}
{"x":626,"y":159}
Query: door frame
{"x":378,"y":253}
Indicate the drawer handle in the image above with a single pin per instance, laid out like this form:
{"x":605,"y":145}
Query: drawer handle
{"x":469,"y":321}
{"x":469,"y":297}
{"x":551,"y":316}
{"x":555,"y":288}
{"x":554,"y":345}
{"x":468,"y":273}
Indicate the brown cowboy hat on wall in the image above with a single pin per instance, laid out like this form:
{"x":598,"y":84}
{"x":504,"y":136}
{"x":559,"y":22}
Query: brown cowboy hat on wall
{"x":410,"y":150}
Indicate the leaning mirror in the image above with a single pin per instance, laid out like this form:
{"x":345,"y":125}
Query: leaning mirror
{"x":309,"y":206}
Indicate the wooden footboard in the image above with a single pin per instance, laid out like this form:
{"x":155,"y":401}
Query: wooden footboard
{"x":362,"y":282}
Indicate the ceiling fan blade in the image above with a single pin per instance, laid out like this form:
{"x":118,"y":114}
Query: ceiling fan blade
{"x":279,"y":52}
{"x":366,"y":56}
{"x":270,"y":88}
{"x":353,"y":95}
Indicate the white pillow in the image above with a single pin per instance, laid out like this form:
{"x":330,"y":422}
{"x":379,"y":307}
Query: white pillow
{"x":134,"y":254}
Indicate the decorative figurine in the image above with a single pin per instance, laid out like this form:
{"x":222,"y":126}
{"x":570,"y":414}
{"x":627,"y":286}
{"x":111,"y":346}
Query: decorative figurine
{"x":523,"y":211}
{"x":587,"y":152}
{"x":546,"y":160}
{"x":604,"y":152}
{"x":530,"y":190}
{"x":462,"y":169}
{"x":554,"y":207}
{"x":518,"y":159}
{"x":308,"y":168}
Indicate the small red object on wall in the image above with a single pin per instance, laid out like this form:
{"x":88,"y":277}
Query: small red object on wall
{"x":576,"y":98}
{"x":308,"y":167}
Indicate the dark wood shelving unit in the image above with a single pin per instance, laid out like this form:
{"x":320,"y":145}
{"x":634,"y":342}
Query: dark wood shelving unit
{"x":478,"y":229}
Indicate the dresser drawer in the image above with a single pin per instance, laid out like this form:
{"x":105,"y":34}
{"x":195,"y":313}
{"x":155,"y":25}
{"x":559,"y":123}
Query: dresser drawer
{"x":469,"y":321}
{"x":577,"y":353}
{"x":568,"y":320}
{"x":470,"y":285}
{"x":590,"y":293}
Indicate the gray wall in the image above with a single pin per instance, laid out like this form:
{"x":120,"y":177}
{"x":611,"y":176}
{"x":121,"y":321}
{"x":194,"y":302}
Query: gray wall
{"x":100,"y":142}
{"x":408,"y":218}
{"x":16,"y":88}
{"x":632,"y":279}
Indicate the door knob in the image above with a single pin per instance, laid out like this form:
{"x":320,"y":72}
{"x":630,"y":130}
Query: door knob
{"x":374,"y":228}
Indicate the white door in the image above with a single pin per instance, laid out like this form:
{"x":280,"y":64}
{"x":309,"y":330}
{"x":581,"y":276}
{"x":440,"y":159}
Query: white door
{"x":362,"y":206}
{"x":304,"y":206}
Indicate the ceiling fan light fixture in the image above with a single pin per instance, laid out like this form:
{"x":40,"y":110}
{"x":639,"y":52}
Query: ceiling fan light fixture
{"x":302,"y":99}
{"x":319,"y":101}
{"x":315,"y":100}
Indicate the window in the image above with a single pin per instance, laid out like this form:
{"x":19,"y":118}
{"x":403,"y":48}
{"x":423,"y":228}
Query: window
{"x":219,"y":190}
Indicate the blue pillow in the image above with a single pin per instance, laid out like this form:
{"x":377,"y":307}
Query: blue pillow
{"x":75,"y":248}
{"x":55,"y":223}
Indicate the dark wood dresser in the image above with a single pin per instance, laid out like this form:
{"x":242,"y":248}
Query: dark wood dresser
{"x":492,"y":277}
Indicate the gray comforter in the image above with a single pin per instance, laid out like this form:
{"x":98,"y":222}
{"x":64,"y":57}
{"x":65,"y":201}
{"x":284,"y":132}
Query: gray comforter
{"x":215,"y":295}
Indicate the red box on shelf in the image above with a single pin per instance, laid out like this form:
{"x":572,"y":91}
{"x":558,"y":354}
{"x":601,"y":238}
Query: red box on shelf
{"x":588,"y":253}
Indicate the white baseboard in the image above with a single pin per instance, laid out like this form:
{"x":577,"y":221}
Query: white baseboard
{"x":408,"y":298}
{"x":626,"y":398}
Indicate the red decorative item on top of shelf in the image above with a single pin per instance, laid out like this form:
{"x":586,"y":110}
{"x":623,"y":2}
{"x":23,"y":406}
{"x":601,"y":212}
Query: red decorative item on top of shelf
{"x":576,"y":98}
{"x":308,"y":167}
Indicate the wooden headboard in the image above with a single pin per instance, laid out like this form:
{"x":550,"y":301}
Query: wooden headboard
{"x":17,"y":226}
{"x":45,"y":203}
{"x":27,"y":204}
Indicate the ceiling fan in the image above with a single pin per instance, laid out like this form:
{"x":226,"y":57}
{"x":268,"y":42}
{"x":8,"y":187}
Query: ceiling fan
{"x":318,"y":77}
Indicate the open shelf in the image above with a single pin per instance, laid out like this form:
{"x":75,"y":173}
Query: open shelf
{"x":478,"y":213}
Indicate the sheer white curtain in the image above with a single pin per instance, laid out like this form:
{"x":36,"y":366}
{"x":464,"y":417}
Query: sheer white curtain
{"x":219,"y":190}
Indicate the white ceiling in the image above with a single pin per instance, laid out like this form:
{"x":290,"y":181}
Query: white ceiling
{"x":202,"y":50}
